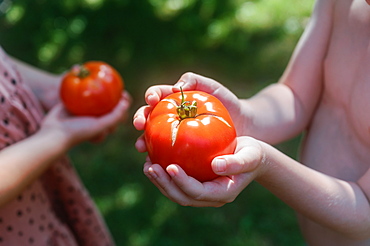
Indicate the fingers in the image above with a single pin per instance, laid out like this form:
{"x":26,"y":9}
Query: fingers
{"x":237,"y":170}
{"x":107,"y":123}
{"x":166,"y":185}
{"x":118,"y":114}
{"x":155,"y":93}
{"x":140,"y":144}
{"x":192,"y":81}
{"x":139,"y":119}
{"x":187,"y":184}
{"x":184,"y":190}
{"x":152,"y":96}
{"x":103,"y":135}
{"x":58,"y":109}
{"x":188,"y":81}
{"x":247,"y":158}
{"x":157,"y":176}
{"x":216,"y":192}
{"x":99,"y":138}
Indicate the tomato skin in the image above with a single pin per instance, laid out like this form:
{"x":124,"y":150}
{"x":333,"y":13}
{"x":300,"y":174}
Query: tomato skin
{"x":92,"y":89}
{"x":198,"y":140}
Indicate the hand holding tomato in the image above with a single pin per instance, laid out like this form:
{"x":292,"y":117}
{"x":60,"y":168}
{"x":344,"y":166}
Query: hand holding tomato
{"x":74,"y":130}
{"x":91,"y":89}
{"x":238,"y":170}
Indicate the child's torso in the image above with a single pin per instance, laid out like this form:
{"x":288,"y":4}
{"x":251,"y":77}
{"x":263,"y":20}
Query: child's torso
{"x":338,"y":139}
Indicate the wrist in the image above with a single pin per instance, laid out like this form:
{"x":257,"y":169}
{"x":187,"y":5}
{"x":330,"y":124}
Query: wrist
{"x":56,"y":139}
{"x":264,"y":166}
{"x":246,"y":127}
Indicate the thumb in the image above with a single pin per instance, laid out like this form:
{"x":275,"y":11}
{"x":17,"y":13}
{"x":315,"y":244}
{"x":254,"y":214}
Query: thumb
{"x":247,"y":158}
{"x":58,"y":110}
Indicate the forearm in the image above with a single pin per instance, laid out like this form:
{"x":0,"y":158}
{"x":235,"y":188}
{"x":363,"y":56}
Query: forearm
{"x":339,"y":205}
{"x":25,"y":161}
{"x":35,"y":76}
{"x":283,"y":110}
{"x":274,"y":115}
{"x":44,"y":85}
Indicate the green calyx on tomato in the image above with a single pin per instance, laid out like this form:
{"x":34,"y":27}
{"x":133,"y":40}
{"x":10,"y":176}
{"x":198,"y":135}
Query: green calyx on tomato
{"x":186,"y":109}
{"x":80,"y":71}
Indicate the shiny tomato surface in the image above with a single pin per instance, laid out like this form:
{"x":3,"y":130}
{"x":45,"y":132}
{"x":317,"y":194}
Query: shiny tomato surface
{"x":190,"y":139}
{"x":91,"y":89}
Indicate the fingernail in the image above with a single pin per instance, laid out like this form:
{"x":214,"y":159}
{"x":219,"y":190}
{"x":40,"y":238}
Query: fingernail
{"x":152,"y":173}
{"x":149,"y":97}
{"x":220,"y":165}
{"x":172,"y":170}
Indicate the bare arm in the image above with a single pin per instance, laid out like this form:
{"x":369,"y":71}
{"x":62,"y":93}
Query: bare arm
{"x":339,"y":205}
{"x":283,"y":110}
{"x":26,"y":160}
{"x":43,"y":84}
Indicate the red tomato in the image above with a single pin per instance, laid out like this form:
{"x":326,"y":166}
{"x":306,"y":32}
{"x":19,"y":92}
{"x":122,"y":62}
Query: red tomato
{"x":190,"y":133}
{"x":91,"y":89}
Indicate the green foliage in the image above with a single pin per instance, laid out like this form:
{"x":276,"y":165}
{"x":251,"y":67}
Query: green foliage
{"x":243,"y":44}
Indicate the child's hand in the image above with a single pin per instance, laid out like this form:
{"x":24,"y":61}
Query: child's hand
{"x":191,"y":81}
{"x":74,"y":129}
{"x":237,"y":170}
{"x":47,"y":92}
{"x":188,"y":81}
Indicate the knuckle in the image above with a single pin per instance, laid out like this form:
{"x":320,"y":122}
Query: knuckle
{"x":230,"y":200}
{"x":220,"y":204}
{"x":188,"y":74}
{"x":184,"y":203}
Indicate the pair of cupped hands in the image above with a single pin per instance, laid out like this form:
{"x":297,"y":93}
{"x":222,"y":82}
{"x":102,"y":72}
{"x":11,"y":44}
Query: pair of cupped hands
{"x":236,"y":171}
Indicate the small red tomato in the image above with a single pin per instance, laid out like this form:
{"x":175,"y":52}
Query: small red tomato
{"x":190,"y":133}
{"x":91,"y":89}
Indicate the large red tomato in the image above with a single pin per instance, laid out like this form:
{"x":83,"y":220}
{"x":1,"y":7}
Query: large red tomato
{"x":190,"y":130}
{"x":91,"y":89}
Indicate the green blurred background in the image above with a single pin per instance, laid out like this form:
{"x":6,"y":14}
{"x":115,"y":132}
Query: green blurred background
{"x":243,"y":44}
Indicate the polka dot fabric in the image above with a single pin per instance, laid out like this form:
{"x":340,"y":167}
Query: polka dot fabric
{"x":56,"y":209}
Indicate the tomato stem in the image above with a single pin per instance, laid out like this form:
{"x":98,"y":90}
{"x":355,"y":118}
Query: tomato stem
{"x":81,"y":71}
{"x":186,"y":109}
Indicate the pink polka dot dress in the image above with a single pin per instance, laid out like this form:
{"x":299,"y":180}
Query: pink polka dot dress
{"x":56,"y":209}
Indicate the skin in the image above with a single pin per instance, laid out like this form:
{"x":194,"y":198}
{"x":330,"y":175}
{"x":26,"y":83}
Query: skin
{"x":323,"y":92}
{"x":24,"y":161}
